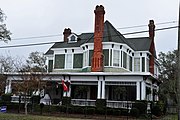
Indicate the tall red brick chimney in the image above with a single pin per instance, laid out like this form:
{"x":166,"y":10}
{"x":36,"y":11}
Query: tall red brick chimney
{"x":66,"y":33}
{"x":97,"y":64}
{"x":152,"y":47}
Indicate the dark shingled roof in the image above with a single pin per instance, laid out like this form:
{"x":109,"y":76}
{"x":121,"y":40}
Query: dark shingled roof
{"x":49,"y":52}
{"x":110,"y":35}
{"x":139,"y":44}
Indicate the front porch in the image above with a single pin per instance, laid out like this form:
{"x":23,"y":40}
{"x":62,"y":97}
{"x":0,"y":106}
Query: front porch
{"x":119,"y":90}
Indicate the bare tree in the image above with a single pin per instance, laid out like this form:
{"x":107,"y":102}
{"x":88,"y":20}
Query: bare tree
{"x":30,"y":82}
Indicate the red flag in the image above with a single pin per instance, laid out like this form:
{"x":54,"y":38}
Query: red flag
{"x":65,"y":88}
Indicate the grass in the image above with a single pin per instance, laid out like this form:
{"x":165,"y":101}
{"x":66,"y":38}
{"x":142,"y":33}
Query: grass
{"x":8,"y":116}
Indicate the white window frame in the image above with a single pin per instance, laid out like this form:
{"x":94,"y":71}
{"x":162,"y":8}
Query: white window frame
{"x":137,"y":67}
{"x":67,"y":66}
{"x":117,"y":58}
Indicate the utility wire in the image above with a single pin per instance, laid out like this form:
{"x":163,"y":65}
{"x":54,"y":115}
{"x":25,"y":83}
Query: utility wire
{"x":58,"y":35}
{"x":34,"y":37}
{"x":45,"y":43}
{"x":162,"y":23}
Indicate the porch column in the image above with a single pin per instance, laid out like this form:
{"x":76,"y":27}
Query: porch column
{"x":8,"y":87}
{"x":151,"y":98}
{"x":157,"y":97}
{"x":103,"y":89}
{"x":99,"y":90}
{"x":69,"y":92}
{"x":143,"y":90}
{"x":138,"y":91}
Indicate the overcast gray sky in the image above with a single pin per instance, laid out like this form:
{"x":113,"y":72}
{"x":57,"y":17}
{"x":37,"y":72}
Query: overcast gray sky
{"x":29,"y":18}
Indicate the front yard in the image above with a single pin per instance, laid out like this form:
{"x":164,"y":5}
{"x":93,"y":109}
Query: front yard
{"x":8,"y":116}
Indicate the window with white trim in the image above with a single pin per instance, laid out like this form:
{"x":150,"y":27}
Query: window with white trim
{"x":130,"y":63}
{"x":69,"y":61}
{"x":125,"y":60}
{"x":147,"y":65}
{"x":116,"y":58}
{"x":136,"y":64}
{"x":85,"y":58}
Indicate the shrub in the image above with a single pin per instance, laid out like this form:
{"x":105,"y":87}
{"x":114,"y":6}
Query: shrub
{"x":35,"y":99}
{"x":78,"y":109}
{"x":110,"y":111}
{"x":90,"y":111}
{"x":63,"y":108}
{"x":100,"y":111}
{"x":66,"y":101}
{"x":134,"y":112}
{"x":100,"y":103}
{"x":156,"y":110}
{"x":124,"y":112}
{"x":6,"y":98}
{"x":116,"y":112}
{"x":141,"y":106}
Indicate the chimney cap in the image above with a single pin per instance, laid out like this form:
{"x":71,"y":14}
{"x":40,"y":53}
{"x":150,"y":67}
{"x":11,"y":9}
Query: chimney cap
{"x":67,"y":30}
{"x":151,"y":21}
{"x":99,"y":8}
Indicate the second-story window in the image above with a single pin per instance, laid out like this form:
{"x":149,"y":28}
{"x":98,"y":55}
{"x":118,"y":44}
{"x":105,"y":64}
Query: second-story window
{"x":130,"y":63}
{"x":68,"y":61}
{"x":125,"y":60}
{"x":106,"y":57}
{"x":77,"y":62}
{"x":50,"y":65}
{"x":136,"y":64}
{"x":59,"y":61}
{"x":147,"y":65}
{"x":116,"y":58}
{"x":85,"y":58}
{"x":143,"y":64}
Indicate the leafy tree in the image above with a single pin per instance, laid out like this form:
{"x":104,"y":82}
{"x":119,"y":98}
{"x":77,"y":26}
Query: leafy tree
{"x":168,"y":76}
{"x":4,"y":33}
{"x":35,"y":62}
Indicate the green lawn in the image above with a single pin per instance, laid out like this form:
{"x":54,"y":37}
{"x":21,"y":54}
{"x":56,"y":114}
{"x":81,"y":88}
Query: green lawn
{"x":8,"y":116}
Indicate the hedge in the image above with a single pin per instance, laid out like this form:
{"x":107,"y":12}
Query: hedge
{"x":134,"y":112}
{"x":141,"y":106}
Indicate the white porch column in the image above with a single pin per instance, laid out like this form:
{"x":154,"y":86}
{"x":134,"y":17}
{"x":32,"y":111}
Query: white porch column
{"x":151,"y":98}
{"x":64,"y":94}
{"x":138,"y":91}
{"x":103,"y":89}
{"x":99,"y":90}
{"x":69,"y":92}
{"x":8,"y":87}
{"x":143,"y":90}
{"x":157,"y":97}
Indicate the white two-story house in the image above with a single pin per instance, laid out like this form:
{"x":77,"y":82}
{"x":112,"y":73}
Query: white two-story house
{"x":103,"y":65}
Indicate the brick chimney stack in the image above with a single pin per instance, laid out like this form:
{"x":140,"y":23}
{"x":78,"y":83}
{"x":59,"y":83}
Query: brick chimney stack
{"x":152,"y":47}
{"x":97,"y":64}
{"x":66,"y":33}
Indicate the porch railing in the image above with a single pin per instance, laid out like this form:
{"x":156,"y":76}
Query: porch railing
{"x":111,"y":104}
{"x":83,"y":102}
{"x":15,"y":99}
{"x":119,"y":104}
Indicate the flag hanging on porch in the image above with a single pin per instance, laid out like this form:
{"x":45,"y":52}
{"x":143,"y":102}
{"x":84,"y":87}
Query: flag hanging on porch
{"x":65,"y":88}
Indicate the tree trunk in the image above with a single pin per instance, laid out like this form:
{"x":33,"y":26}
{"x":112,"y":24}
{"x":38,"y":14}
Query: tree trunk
{"x":25,"y":105}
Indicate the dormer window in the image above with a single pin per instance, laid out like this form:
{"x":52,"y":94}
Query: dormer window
{"x":72,"y":38}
